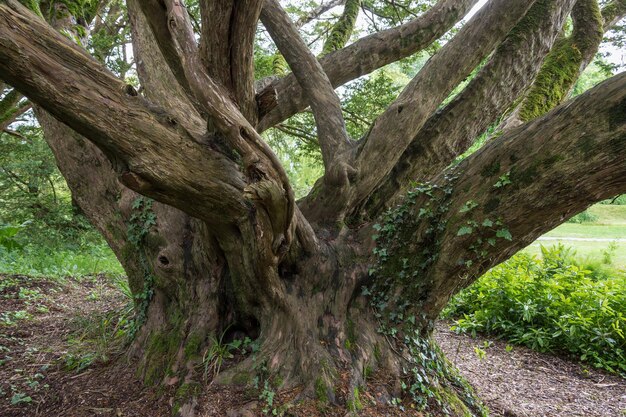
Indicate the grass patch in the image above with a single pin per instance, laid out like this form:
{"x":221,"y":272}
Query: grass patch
{"x":42,"y":261}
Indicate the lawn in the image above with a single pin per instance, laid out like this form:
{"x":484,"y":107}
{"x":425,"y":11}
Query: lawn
{"x":609,"y":225}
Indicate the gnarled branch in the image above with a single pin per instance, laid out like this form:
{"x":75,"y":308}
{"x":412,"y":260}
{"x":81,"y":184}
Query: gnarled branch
{"x":331,"y":128}
{"x":496,"y":201}
{"x":152,"y":153}
{"x":364,"y":56}
{"x":226,"y":48}
{"x":452,"y":130}
{"x":394,"y":130}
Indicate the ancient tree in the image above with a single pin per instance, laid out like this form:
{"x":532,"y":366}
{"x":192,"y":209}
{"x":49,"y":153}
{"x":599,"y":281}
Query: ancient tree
{"x":348,"y":280}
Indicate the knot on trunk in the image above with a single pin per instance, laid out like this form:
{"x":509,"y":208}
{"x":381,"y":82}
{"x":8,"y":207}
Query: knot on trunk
{"x":270,"y":195}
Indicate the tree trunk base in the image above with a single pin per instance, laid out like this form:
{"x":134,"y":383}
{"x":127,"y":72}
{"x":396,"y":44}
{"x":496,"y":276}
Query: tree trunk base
{"x":332,"y":365}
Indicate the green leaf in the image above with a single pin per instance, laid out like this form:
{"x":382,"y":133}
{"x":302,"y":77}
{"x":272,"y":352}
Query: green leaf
{"x":487,"y":223}
{"x":469,"y":205}
{"x":465,"y":230}
{"x":504,"y":233}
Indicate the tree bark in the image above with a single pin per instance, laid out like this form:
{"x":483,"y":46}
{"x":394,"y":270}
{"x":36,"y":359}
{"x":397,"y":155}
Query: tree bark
{"x":225,"y":251}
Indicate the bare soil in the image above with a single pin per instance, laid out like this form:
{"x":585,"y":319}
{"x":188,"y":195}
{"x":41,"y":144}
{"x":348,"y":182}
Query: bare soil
{"x":41,"y":340}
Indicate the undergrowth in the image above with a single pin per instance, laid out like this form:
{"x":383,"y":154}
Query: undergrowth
{"x":555,"y":304}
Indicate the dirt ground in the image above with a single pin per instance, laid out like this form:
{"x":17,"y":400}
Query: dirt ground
{"x":54,"y":361}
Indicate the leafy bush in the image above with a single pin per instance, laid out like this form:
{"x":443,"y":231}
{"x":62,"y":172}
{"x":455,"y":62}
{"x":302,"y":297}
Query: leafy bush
{"x":620,"y":200}
{"x":7,"y":236}
{"x":556,"y":304}
{"x":583,"y":217}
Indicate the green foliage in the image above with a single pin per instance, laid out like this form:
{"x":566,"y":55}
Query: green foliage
{"x":76,"y":261}
{"x":620,"y":200}
{"x":583,"y":217}
{"x":52,"y":238}
{"x":7,"y":236}
{"x":140,"y":223}
{"x":220,"y":351}
{"x":556,"y":304}
{"x":369,"y":97}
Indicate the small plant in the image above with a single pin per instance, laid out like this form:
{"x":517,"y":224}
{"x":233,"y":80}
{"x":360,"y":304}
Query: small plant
{"x":7,"y":236}
{"x":20,"y":398}
{"x":480,"y":353}
{"x":218,"y":352}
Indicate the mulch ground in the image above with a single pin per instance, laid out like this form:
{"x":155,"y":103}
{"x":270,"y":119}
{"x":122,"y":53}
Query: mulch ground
{"x":39,"y":319}
{"x":519,"y":382}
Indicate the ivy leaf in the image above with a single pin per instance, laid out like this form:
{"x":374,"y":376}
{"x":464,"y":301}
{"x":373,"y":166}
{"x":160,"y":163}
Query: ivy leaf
{"x":465,"y":230}
{"x":469,"y":205}
{"x":504,"y":233}
{"x":487,"y":223}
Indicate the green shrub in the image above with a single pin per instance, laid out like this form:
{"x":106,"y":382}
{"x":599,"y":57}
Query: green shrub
{"x":556,"y":304}
{"x":583,"y":217}
{"x":619,"y":200}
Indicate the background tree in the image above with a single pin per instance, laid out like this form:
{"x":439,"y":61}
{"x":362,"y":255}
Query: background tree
{"x":392,"y":228}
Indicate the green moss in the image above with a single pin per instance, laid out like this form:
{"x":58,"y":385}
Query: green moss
{"x":354,"y":404}
{"x":242,"y":378}
{"x":558,"y":74}
{"x":32,"y":5}
{"x":453,"y":403}
{"x":193,"y":345}
{"x":350,"y":342}
{"x":561,"y":67}
{"x":279,"y":64}
{"x":321,"y":390}
{"x":613,"y":9}
{"x":184,"y":393}
{"x":161,"y":349}
{"x":377,"y":354}
{"x":368,"y":371}
{"x":341,"y":32}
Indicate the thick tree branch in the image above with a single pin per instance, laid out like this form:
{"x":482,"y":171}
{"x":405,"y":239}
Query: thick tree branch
{"x":521,"y":185}
{"x":451,"y":131}
{"x":613,"y":12}
{"x":157,"y":80}
{"x":569,"y":57}
{"x":226,"y":48}
{"x":331,"y":128}
{"x":394,"y":130}
{"x":364,"y":56}
{"x":151,"y":152}
{"x":268,"y":183}
{"x":342,"y":30}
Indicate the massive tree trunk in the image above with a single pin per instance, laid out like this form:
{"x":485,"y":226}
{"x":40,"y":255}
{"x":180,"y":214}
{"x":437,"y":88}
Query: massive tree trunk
{"x":345,"y":281}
